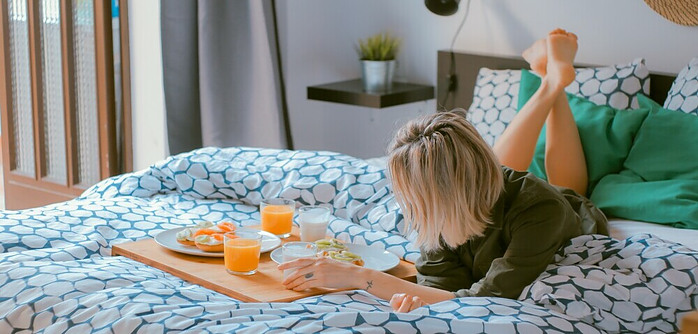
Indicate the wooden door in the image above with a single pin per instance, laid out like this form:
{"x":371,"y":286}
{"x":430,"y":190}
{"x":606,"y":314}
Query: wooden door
{"x":60,"y":133}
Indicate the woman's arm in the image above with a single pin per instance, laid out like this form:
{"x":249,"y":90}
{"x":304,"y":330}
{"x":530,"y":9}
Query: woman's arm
{"x":312,"y":273}
{"x":385,"y":286}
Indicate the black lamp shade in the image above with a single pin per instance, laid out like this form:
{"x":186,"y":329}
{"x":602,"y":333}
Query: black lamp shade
{"x":442,"y":7}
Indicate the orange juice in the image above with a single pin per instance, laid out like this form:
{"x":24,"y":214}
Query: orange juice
{"x":242,"y":255}
{"x":277,"y":219}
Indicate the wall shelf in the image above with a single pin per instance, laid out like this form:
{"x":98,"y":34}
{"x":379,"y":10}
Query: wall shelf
{"x":352,"y":92}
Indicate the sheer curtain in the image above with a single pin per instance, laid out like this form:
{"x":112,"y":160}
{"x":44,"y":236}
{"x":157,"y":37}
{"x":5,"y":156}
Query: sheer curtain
{"x":222,"y":76}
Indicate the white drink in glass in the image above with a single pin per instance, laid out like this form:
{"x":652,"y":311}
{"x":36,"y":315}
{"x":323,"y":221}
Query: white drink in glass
{"x":313,"y":221}
{"x":297,"y":250}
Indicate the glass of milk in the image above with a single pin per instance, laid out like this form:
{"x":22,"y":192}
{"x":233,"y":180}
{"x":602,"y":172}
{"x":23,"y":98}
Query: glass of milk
{"x":297,"y":250}
{"x":313,"y":221}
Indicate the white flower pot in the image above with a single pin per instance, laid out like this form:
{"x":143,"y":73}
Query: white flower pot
{"x":377,"y":75}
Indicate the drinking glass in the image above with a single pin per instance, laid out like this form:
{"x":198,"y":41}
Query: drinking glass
{"x":277,"y":216}
{"x":297,"y":250}
{"x":241,"y":251}
{"x":313,"y":221}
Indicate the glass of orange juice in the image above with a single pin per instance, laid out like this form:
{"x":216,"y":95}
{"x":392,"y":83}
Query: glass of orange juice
{"x":277,"y":216}
{"x":241,"y":251}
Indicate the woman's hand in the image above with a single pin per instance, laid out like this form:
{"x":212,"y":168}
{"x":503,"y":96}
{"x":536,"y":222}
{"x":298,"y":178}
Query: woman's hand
{"x":327,"y":273}
{"x":401,"y":302}
{"x":321,"y":273}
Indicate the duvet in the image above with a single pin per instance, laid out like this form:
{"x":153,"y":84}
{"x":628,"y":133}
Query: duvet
{"x":57,"y":275}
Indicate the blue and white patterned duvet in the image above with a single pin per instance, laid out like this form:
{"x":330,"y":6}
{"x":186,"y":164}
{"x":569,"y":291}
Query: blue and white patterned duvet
{"x":56,"y":274}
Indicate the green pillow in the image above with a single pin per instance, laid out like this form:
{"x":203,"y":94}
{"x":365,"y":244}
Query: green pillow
{"x":606,"y":133}
{"x":666,"y":145}
{"x":627,"y":195}
{"x":659,"y":182}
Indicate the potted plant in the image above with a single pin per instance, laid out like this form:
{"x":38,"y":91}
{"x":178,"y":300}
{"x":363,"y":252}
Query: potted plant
{"x":378,"y":54}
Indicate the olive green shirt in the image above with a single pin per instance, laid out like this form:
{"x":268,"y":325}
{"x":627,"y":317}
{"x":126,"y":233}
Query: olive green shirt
{"x":530,"y":221}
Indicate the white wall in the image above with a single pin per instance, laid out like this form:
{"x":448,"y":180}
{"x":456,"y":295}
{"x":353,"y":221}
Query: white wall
{"x":317,"y":38}
{"x":148,"y":97}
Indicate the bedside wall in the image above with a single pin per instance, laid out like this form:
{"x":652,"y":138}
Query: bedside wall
{"x":317,"y":39}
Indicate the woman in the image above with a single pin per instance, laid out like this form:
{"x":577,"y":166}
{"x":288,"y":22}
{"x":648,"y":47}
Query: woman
{"x":483,"y":229}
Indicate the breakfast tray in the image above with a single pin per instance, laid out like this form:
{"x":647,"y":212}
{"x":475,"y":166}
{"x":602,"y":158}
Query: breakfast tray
{"x":209,"y":272}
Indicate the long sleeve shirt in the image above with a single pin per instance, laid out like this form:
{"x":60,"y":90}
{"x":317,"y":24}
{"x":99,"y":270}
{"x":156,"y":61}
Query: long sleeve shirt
{"x":530,"y":221}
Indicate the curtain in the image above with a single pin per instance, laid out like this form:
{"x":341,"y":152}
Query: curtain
{"x":222,"y":75}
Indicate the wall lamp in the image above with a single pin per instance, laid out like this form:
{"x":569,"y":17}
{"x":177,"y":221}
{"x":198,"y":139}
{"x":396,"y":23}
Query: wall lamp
{"x":442,"y":7}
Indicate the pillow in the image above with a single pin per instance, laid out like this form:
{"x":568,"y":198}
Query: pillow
{"x":659,"y":180}
{"x":616,"y":86}
{"x":683,"y":95}
{"x":495,"y":97}
{"x":666,"y":146}
{"x":495,"y":100}
{"x":606,"y":133}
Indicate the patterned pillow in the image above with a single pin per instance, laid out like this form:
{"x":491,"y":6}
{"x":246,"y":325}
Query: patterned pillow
{"x":683,"y":95}
{"x":494,"y":102}
{"x":495,"y":96}
{"x":616,"y":86}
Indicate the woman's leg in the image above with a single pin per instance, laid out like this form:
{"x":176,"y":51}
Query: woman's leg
{"x":565,"y":165}
{"x":515,"y":147}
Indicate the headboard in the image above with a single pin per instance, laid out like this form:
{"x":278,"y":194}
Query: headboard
{"x":466,"y":67}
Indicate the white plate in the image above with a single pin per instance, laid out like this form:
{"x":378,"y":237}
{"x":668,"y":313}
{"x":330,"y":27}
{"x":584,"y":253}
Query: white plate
{"x":374,"y":258}
{"x":168,"y":239}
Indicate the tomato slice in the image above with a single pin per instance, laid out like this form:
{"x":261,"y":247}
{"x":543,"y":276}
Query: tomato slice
{"x":226,"y":226}
{"x":206,"y":231}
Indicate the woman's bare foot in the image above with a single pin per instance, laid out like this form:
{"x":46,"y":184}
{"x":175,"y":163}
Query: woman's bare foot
{"x":562,"y":47}
{"x":537,"y":56}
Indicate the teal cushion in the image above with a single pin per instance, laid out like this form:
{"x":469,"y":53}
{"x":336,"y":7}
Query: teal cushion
{"x":659,"y":181}
{"x":667,"y":145}
{"x":627,"y":195}
{"x":606,"y":133}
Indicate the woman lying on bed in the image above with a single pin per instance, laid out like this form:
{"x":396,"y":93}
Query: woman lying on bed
{"x":483,"y":229}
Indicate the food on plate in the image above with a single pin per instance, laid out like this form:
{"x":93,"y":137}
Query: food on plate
{"x":336,"y":249}
{"x":226,"y":226}
{"x":325,"y":246}
{"x":346,"y":256}
{"x":206,"y":231}
{"x":188,"y":235}
{"x":210,"y":243}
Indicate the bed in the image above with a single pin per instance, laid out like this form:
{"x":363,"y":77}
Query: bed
{"x":57,"y":275}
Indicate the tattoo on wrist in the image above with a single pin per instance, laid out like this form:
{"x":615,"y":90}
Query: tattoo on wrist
{"x":369,"y":284}
{"x":308,"y":275}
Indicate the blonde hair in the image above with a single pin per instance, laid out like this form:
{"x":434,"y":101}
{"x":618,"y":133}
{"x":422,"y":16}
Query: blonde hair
{"x":445,"y":178}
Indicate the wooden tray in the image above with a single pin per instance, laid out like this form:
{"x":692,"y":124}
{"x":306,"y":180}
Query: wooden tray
{"x":209,"y":272}
{"x":689,"y":323}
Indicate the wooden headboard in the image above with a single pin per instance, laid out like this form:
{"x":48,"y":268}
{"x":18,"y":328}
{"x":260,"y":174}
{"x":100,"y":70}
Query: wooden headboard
{"x":467,"y":65}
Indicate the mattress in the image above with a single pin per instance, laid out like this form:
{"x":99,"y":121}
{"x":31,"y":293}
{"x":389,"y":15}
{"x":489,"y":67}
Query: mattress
{"x":621,"y":229}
